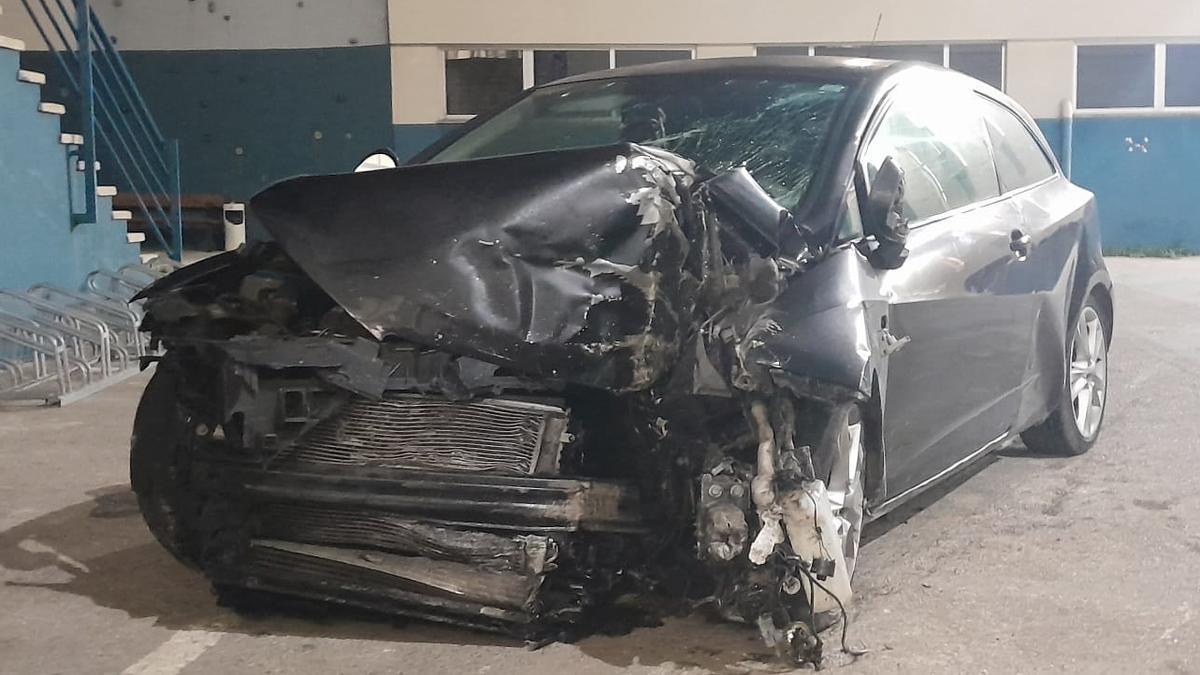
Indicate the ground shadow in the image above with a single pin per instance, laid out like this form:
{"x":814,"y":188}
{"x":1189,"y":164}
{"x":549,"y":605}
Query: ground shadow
{"x":104,"y":552}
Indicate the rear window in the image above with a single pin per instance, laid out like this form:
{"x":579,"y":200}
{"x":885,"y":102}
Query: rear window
{"x":1020,"y":160}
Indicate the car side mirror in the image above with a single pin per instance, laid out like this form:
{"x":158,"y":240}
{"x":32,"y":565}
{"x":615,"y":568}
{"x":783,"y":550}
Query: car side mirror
{"x":883,"y":217}
{"x":744,"y":205}
{"x":380,"y":159}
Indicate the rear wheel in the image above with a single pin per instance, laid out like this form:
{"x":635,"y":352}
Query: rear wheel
{"x":1074,"y":425}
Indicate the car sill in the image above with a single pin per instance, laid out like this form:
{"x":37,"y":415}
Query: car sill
{"x":913,"y":491}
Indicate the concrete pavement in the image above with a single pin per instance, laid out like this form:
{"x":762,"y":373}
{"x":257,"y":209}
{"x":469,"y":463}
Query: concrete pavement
{"x":1023,"y":564}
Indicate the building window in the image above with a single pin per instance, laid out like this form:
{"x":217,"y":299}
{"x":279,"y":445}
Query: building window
{"x":1183,"y":75}
{"x":479,"y":81}
{"x":483,"y":80}
{"x":550,"y":65}
{"x":931,"y":53}
{"x":638,"y":57}
{"x":1114,"y":76}
{"x":784,"y":51}
{"x":983,"y":61}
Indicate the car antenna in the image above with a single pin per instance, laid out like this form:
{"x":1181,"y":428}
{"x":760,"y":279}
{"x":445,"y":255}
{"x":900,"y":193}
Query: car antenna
{"x":874,"y":35}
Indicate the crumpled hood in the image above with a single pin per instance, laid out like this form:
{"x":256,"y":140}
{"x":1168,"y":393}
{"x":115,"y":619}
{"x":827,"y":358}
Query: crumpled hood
{"x":566,"y":264}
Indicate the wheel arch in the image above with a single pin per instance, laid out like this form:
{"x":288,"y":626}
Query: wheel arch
{"x":1103,"y":294}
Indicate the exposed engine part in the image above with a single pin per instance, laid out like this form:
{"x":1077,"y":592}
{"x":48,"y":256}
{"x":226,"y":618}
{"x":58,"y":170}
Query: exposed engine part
{"x":722,"y":530}
{"x":812,"y":535}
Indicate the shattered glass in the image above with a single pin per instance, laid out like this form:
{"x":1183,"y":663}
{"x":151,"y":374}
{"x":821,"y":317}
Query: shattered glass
{"x":773,"y":127}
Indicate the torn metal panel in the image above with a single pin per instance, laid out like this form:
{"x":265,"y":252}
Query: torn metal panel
{"x":453,"y":579}
{"x":380,"y":530}
{"x":563,"y":265}
{"x":429,"y":383}
{"x":353,"y":364}
{"x":508,"y":503}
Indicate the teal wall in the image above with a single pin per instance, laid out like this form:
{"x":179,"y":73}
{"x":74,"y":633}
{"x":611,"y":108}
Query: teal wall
{"x":410,"y":139}
{"x":272,"y":104}
{"x":1143,"y":195}
{"x":39,"y":189}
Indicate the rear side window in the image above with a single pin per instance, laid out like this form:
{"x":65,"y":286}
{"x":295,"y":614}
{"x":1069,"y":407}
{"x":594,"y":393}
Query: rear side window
{"x":1020,"y":160}
{"x":937,"y":138}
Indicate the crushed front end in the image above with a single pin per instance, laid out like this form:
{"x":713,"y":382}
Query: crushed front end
{"x":501,"y":393}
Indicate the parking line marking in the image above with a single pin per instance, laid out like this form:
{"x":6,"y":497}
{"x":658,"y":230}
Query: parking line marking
{"x":175,"y":654}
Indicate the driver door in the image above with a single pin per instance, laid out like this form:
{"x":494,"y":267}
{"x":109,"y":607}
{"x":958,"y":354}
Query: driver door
{"x":953,"y":385}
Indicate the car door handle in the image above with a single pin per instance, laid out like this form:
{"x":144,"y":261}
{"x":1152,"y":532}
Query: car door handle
{"x":1019,"y":244}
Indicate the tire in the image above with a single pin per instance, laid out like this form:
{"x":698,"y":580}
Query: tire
{"x":1067,"y":431}
{"x":154,"y":471}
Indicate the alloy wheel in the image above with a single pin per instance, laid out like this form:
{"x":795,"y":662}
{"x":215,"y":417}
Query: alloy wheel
{"x":1089,"y":373}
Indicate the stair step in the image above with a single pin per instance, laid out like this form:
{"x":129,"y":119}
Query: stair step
{"x":135,"y":237}
{"x":31,"y":76}
{"x":80,"y":165}
{"x":122,"y":215}
{"x":52,"y":108}
{"x":70,"y":139}
{"x":106,"y":190}
{"x":12,"y":43}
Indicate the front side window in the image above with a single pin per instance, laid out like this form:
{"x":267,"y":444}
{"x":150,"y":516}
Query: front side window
{"x":1020,"y":160}
{"x":773,"y":126}
{"x":937,"y":138}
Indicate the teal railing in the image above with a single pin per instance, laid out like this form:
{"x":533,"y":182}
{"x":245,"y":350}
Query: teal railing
{"x":114,"y":115}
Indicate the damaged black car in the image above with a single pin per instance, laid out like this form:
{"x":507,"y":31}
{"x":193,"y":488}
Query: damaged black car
{"x":674,"y":331}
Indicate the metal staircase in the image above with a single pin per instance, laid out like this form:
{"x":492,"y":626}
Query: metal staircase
{"x":62,"y":341}
{"x":116,"y":125}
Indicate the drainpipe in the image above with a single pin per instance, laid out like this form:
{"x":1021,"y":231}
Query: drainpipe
{"x":1068,"y":137}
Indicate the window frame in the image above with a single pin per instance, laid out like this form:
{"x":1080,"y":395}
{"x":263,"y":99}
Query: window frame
{"x":862,"y":186}
{"x":1160,"y":107}
{"x":447,"y":116}
{"x":527,"y":74}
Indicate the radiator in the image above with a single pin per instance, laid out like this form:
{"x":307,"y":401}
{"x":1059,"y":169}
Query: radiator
{"x":488,"y":436}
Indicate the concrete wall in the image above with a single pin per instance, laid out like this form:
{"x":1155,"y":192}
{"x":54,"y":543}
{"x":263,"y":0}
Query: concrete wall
{"x":189,"y":25}
{"x":781,"y":21}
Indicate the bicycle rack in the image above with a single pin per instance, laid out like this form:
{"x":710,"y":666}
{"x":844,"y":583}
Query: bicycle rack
{"x":51,"y":366}
{"x":59,"y":345}
{"x":122,"y":319}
